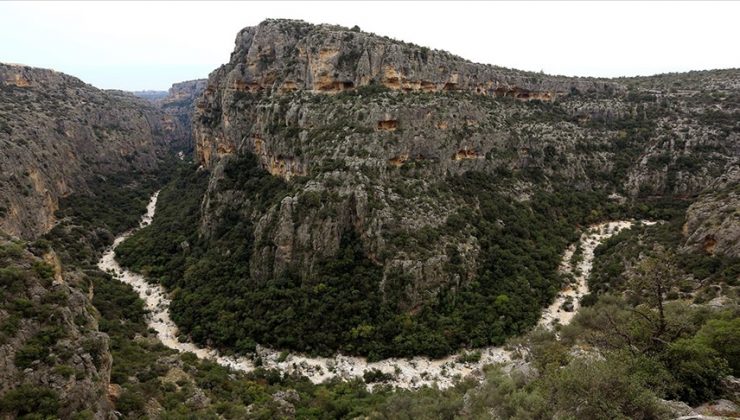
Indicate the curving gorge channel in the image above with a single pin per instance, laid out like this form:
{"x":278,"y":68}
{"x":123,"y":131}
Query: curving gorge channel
{"x":407,"y":373}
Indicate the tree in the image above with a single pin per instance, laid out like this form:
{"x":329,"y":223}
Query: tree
{"x":30,"y":399}
{"x":656,"y":276}
{"x":590,"y":388}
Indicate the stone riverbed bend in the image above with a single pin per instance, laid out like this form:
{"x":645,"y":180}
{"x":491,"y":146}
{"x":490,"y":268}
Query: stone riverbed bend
{"x":407,"y":373}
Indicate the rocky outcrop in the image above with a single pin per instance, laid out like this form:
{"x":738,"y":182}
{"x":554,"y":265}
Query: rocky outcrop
{"x":283,"y":56}
{"x":369,"y":126}
{"x":57,"y":132}
{"x":178,"y":107}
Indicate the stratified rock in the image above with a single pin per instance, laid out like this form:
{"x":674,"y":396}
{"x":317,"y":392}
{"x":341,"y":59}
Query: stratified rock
{"x":279,"y":57}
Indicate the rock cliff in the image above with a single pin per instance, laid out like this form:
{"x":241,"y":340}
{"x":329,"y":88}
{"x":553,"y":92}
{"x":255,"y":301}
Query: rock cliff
{"x":282,"y":56}
{"x":367,"y":131}
{"x":712,"y":222}
{"x":56,"y":133}
{"x":178,"y":106}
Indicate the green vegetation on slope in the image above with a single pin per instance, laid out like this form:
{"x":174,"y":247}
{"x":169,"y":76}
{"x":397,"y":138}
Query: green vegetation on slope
{"x":42,"y":330}
{"x":184,"y":386}
{"x":341,"y":307}
{"x":702,"y":276}
{"x":89,"y":221}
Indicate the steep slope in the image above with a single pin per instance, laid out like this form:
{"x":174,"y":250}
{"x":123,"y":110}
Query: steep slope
{"x":77,"y":165}
{"x":53,"y":360}
{"x":385,"y":199}
{"x":58,"y":133}
{"x":279,"y":57}
{"x":713,"y":222}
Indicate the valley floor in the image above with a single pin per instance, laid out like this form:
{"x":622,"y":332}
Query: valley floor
{"x":405,"y":373}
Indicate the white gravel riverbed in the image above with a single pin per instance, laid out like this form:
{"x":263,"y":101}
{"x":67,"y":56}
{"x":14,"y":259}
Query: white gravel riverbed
{"x":407,"y":373}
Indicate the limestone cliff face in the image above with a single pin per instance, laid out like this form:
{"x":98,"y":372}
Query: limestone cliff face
{"x":178,"y":107}
{"x":279,"y":56}
{"x":56,"y":132}
{"x":713,"y":221}
{"x":366,"y":129}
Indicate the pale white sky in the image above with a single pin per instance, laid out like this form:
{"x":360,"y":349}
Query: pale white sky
{"x":149,"y":45}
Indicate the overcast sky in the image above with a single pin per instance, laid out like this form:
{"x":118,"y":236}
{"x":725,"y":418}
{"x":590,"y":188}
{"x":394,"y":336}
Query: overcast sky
{"x":148,"y":45}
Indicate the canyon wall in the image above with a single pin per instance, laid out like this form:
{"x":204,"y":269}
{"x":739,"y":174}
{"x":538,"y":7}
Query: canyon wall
{"x":56,"y":133}
{"x":371,"y":127}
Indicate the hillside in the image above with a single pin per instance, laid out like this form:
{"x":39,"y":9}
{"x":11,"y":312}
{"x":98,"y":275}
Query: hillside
{"x":412,"y":201}
{"x":78,"y":165}
{"x":58,"y":134}
{"x":369,"y":229}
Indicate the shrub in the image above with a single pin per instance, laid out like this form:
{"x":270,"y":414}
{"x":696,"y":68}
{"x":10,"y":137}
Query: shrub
{"x":30,"y":399}
{"x":723,"y":336}
{"x":130,"y":403}
{"x":601,"y":389}
{"x":697,"y":368}
{"x":376,"y":375}
{"x":43,"y":270}
{"x":469,"y":357}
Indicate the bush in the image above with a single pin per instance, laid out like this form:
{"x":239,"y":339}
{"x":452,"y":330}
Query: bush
{"x":30,"y":399}
{"x":375,"y":375}
{"x":130,"y":403}
{"x":11,"y":250}
{"x":469,"y":357}
{"x":43,"y":270}
{"x":723,"y":336}
{"x":697,"y":368}
{"x":11,"y":276}
{"x":29,"y":353}
{"x":38,"y":347}
{"x":601,"y":389}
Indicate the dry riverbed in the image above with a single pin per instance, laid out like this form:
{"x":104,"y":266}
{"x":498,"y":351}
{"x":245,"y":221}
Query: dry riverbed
{"x":407,"y":373}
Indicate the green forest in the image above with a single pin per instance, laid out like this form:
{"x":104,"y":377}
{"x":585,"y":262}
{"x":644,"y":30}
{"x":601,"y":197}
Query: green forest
{"x":341,"y":308}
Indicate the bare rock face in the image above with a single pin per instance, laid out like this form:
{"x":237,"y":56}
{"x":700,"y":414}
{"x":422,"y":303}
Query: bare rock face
{"x":178,"y":106}
{"x":365,"y":129}
{"x":282,"y":56}
{"x":56,"y":132}
{"x":719,"y":408}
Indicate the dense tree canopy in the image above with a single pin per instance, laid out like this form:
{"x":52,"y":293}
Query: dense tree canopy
{"x":342,"y":306}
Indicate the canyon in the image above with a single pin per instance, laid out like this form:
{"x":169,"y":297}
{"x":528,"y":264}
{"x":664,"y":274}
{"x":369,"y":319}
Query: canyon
{"x":335,"y":210}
